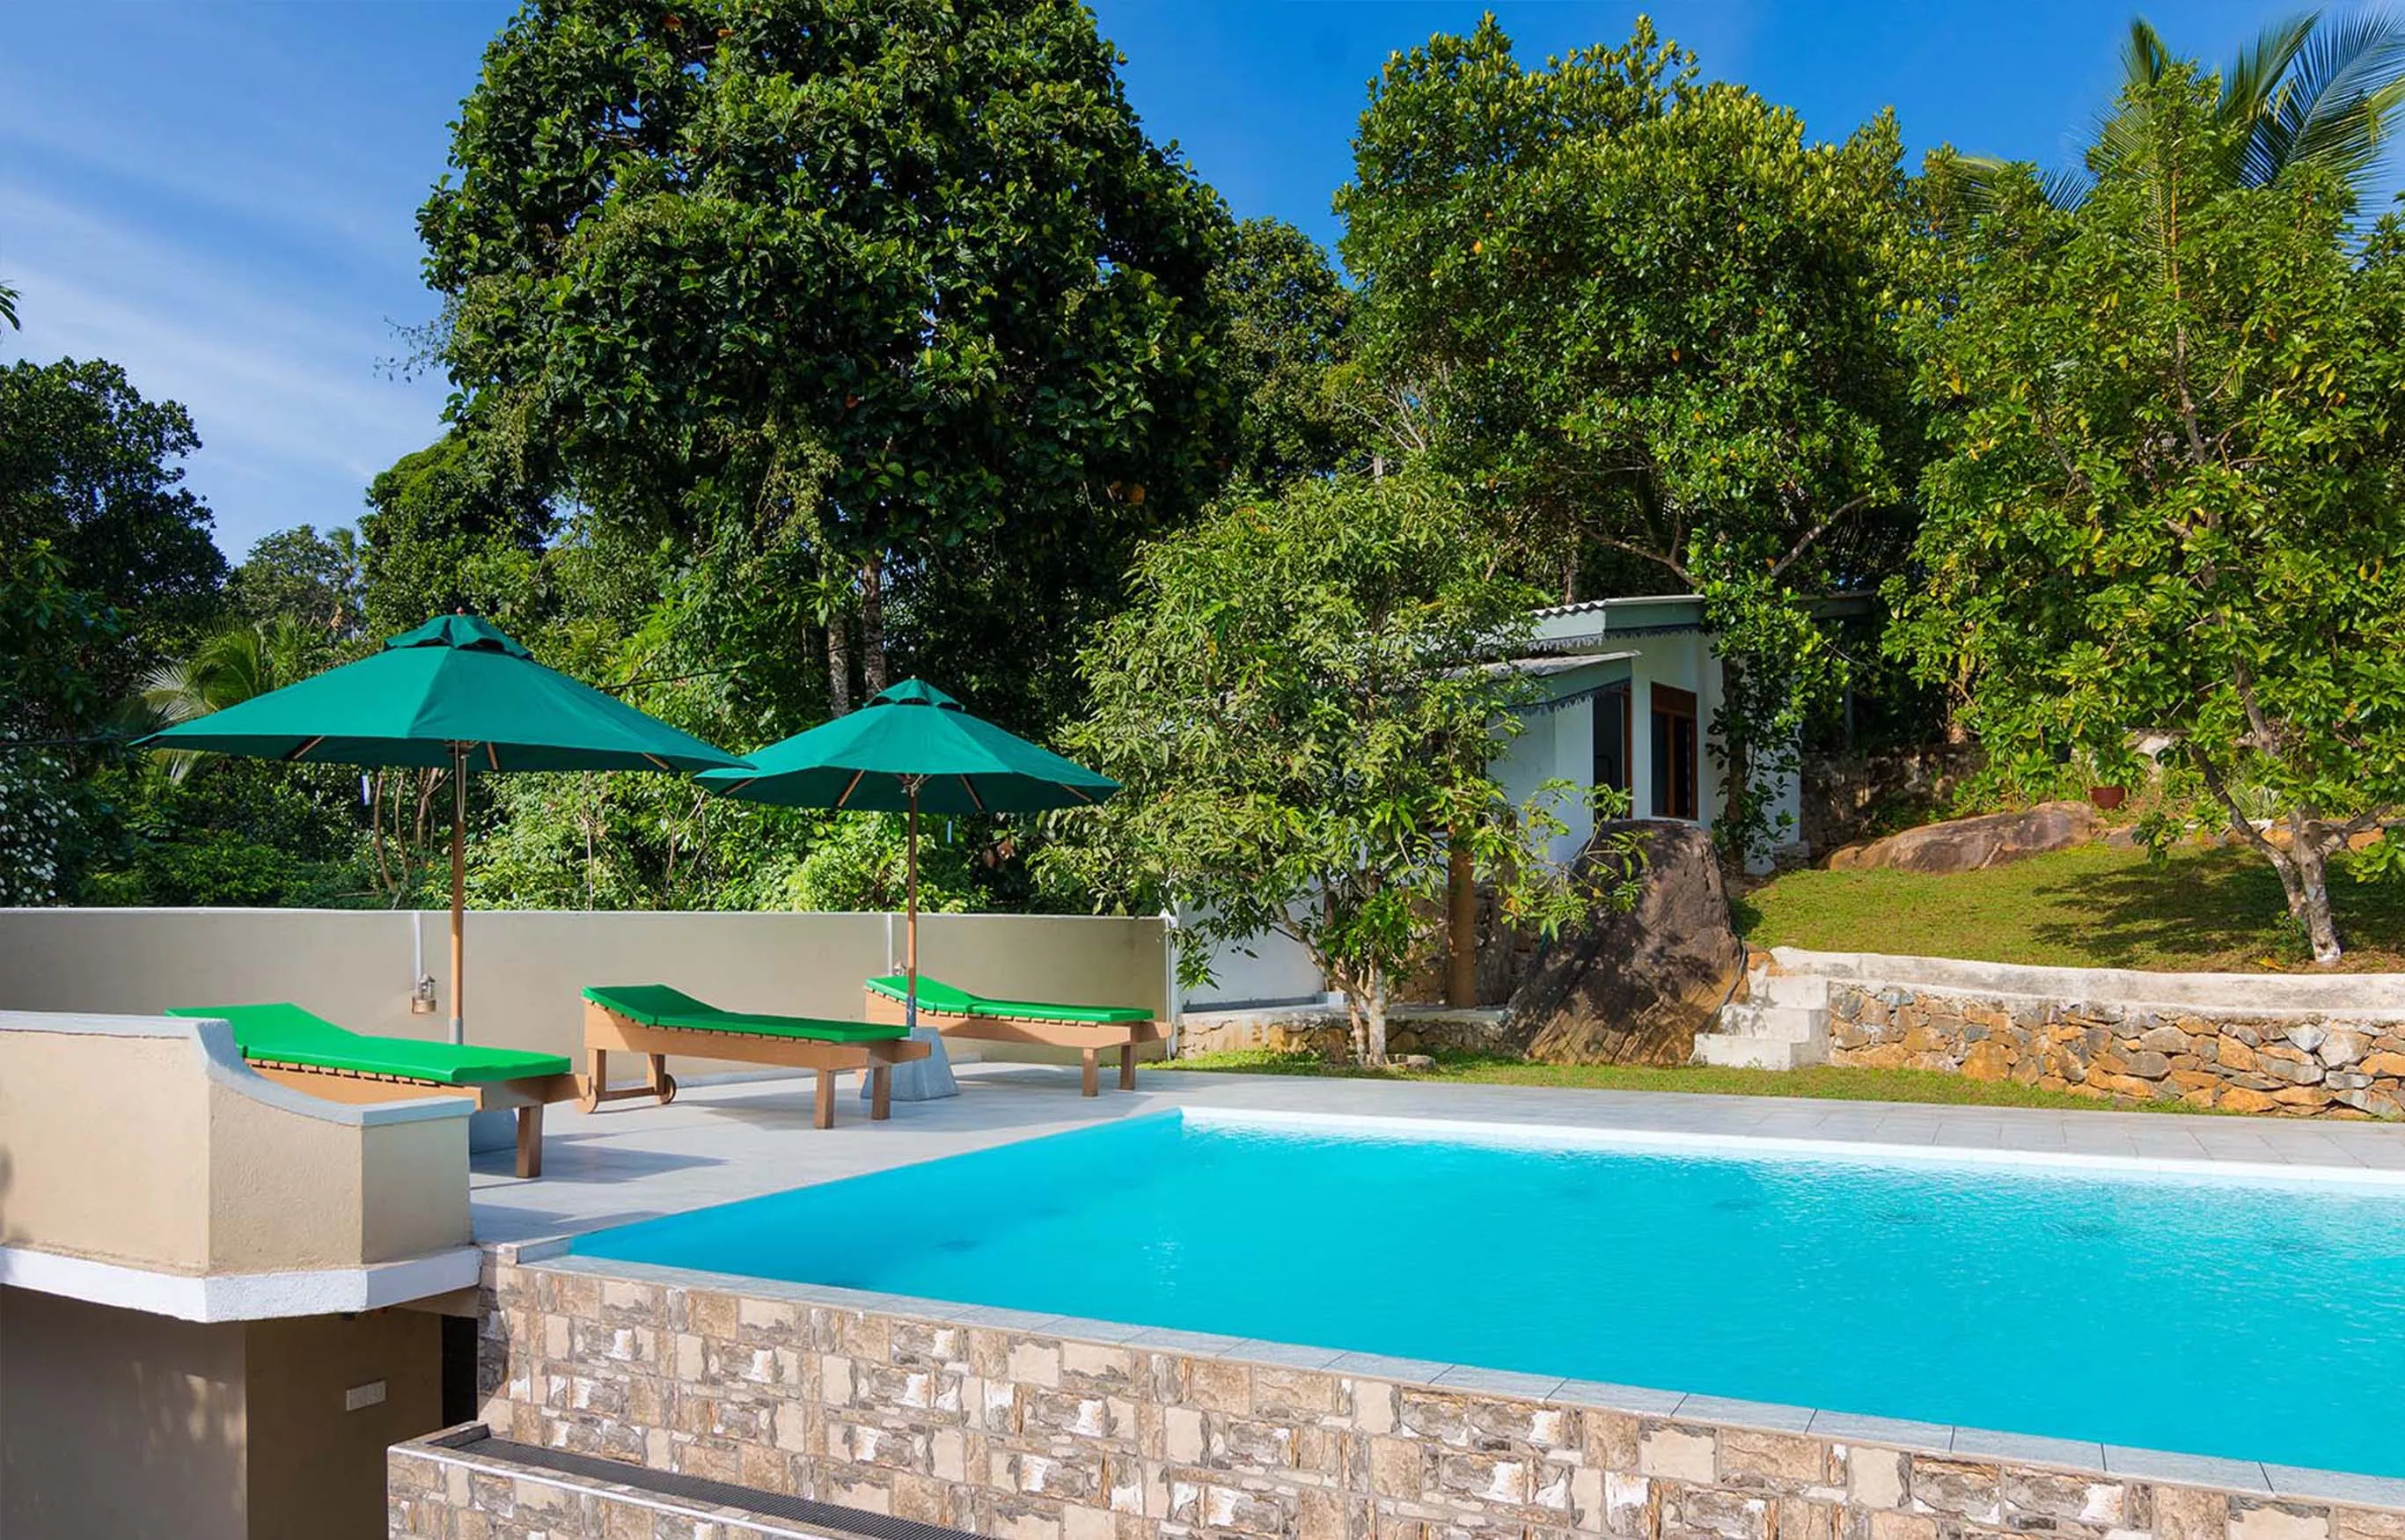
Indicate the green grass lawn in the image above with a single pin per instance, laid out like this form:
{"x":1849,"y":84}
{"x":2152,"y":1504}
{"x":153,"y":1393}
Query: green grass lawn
{"x":1827,"y":1083}
{"x":2218,"y":910}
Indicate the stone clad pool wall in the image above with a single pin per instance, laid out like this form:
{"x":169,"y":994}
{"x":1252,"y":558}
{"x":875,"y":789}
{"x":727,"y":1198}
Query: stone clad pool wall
{"x":1022,"y":1428}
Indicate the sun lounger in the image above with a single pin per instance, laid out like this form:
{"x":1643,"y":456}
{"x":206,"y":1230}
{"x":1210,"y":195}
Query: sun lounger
{"x":958,"y":1013}
{"x":656,"y":1021}
{"x":300,"y":1049}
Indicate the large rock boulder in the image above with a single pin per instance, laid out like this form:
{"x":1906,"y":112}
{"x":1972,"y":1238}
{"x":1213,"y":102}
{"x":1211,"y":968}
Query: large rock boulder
{"x":1970,"y":844}
{"x":1636,"y":987}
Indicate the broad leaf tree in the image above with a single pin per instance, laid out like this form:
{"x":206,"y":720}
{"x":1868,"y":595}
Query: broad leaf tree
{"x":2170,"y":504}
{"x":444,"y":530}
{"x":1655,"y":326}
{"x":1286,"y":314}
{"x":855,"y":300}
{"x":92,"y":468}
{"x":1298,"y":706}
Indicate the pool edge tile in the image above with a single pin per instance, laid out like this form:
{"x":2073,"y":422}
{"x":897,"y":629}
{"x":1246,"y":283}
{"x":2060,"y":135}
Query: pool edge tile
{"x":1770,"y":1416}
{"x":2194,"y":1470}
{"x":1533,"y":1387}
{"x":2377,"y":1491}
{"x":1637,"y":1400}
{"x":1282,"y":1355}
{"x":1405,"y":1371}
{"x":1854,"y":1428}
{"x":2028,"y":1449}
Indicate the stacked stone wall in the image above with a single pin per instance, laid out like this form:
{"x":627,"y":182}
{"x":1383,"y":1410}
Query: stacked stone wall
{"x":1000,"y":1425}
{"x":2309,"y":1065}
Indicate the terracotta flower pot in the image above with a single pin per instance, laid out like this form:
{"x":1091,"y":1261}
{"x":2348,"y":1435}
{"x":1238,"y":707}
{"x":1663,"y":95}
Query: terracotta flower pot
{"x":2107,"y":798}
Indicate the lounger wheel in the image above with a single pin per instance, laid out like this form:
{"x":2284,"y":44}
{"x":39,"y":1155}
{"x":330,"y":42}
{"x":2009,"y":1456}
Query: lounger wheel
{"x":588,"y":1093}
{"x":667,"y":1089}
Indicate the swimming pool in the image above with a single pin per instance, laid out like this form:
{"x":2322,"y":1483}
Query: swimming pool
{"x":2257,"y":1318}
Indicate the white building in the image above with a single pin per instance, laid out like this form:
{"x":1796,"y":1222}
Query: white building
{"x":1630,"y":687}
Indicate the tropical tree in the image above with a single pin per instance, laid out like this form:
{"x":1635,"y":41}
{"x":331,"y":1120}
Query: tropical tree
{"x":1286,"y":314}
{"x":2310,"y":93}
{"x":443,"y":530}
{"x":302,"y":575}
{"x":1655,"y":328}
{"x":1296,"y":707}
{"x":2170,"y":504}
{"x":9,"y":308}
{"x":227,"y":668}
{"x":90,"y":469}
{"x":890,"y":300}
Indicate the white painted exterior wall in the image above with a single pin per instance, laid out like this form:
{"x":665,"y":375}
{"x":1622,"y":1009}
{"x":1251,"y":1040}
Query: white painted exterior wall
{"x":1664,"y":633}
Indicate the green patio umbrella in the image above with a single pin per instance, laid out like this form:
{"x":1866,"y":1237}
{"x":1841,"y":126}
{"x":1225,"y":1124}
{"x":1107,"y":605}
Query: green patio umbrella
{"x":912,"y":749}
{"x":455,"y":691}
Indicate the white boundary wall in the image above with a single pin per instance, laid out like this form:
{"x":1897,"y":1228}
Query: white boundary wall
{"x":525,"y":968}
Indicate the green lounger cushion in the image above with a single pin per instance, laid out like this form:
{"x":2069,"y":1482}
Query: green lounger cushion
{"x":657,"y":1004}
{"x":283,"y":1033}
{"x":946,"y":999}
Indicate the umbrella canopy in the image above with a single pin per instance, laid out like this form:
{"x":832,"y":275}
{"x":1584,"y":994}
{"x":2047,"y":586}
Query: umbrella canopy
{"x":453,"y":681}
{"x":912,"y":746}
{"x":453,"y":692}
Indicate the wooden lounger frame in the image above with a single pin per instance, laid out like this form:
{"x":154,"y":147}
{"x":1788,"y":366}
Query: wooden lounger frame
{"x":526,"y":1095}
{"x":608,"y":1032}
{"x":1089,"y":1037}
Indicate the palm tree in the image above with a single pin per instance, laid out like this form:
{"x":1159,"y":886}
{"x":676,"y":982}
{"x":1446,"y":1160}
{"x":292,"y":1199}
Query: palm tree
{"x":8,"y":306}
{"x":226,"y":669}
{"x":2308,"y":92}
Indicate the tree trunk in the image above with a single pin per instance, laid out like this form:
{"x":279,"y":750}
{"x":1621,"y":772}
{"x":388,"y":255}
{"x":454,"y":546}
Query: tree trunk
{"x":838,"y":641}
{"x":1460,"y":924}
{"x":872,"y":623}
{"x":2305,"y":876}
{"x":1373,"y":1045}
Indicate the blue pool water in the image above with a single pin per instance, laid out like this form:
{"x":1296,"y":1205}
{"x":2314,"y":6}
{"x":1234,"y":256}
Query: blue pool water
{"x":2260,"y":1319}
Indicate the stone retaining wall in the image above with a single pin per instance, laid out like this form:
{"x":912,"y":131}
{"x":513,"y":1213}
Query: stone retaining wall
{"x":2326,"y":1065}
{"x":1323,"y":1029}
{"x":1004,"y":1425}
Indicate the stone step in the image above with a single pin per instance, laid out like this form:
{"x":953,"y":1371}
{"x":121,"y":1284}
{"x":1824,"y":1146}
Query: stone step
{"x":1795,"y":1023}
{"x":1741,"y":1053}
{"x":1804,"y":989}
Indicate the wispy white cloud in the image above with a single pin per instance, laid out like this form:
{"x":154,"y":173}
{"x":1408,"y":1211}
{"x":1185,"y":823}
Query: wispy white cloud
{"x":222,"y":201}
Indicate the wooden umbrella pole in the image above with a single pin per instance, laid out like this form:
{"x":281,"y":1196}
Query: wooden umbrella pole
{"x":459,"y":889}
{"x":911,"y":947}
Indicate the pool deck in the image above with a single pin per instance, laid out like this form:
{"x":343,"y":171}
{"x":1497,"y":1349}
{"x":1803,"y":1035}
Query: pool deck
{"x":725,"y":1142}
{"x":720,"y":1143}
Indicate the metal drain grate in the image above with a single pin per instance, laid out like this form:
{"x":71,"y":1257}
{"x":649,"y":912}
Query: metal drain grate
{"x":718,"y":1494}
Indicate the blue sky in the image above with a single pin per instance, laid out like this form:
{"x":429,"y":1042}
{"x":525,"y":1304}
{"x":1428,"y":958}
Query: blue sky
{"x":221,"y":198}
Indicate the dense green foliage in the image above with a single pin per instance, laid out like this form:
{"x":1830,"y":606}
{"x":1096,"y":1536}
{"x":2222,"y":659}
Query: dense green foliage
{"x":1657,"y":326}
{"x":867,"y":307}
{"x":88,"y":466}
{"x":800,"y":344}
{"x":2171,"y":504}
{"x":1295,"y":707}
{"x":1288,"y":318}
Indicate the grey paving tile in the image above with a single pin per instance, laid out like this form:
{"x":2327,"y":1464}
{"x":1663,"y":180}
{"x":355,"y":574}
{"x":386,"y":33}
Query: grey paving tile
{"x":1853,"y":1429}
{"x":1192,"y":1344}
{"x":1619,"y":1398}
{"x":1008,"y":1321}
{"x":2201,"y":1470}
{"x":1746,"y":1414}
{"x":1500,"y":1382}
{"x":1289,"y":1355}
{"x":1409,"y":1371}
{"x":2379,"y":1492}
{"x":1084,"y":1330}
{"x":1989,"y":1445}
